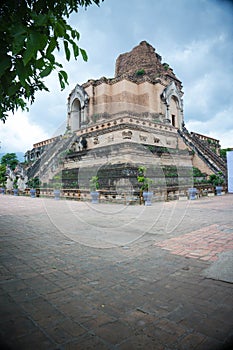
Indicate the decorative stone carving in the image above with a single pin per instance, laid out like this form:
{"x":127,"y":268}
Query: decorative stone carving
{"x":127,"y":134}
{"x":156,"y":140}
{"x":10,"y":178}
{"x":79,"y":93}
{"x":96,"y":140}
{"x":110,"y":138}
{"x":22,"y":177}
{"x":142,"y":138}
{"x":169,"y":91}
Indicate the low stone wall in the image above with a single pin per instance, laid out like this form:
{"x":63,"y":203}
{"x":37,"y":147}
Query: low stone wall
{"x":125,"y":197}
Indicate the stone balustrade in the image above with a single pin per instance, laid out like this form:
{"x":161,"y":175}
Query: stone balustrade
{"x":160,"y":194}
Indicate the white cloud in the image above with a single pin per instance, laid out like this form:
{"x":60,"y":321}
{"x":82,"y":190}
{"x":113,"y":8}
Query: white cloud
{"x":19,"y":134}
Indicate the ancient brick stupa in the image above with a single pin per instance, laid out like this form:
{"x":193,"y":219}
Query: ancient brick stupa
{"x":114,"y":125}
{"x":142,"y":85}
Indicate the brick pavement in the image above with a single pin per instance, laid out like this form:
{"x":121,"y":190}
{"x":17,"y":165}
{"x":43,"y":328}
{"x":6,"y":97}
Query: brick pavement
{"x":57,"y":293}
{"x":205,"y":243}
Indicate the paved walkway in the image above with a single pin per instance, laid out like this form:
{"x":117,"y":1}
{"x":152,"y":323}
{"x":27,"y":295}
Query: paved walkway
{"x":82,"y":276}
{"x":205,"y":243}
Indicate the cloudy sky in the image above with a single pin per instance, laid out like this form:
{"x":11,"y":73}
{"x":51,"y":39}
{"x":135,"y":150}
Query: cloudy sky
{"x":195,"y":37}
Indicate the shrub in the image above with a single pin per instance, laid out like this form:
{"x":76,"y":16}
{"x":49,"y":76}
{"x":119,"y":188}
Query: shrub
{"x":140,"y":72}
{"x":94,"y":183}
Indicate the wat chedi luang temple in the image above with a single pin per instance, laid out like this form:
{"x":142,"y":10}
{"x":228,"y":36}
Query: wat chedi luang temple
{"x":116,"y":125}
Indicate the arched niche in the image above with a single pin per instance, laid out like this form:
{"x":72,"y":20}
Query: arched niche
{"x":171,"y":97}
{"x":77,"y":108}
{"x":174,"y":111}
{"x":75,"y":115}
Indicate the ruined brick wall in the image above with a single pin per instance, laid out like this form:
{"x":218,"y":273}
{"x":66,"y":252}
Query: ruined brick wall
{"x":142,"y":59}
{"x":138,"y":86}
{"x":142,"y":56}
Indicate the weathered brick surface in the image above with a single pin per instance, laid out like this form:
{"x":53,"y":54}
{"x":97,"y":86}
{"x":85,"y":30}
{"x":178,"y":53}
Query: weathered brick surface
{"x":142,"y":57}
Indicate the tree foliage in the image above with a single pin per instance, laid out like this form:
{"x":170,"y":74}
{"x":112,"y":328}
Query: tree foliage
{"x":34,"y":182}
{"x":94,"y":183}
{"x":2,"y":175}
{"x":31,"y":31}
{"x":216,"y":179}
{"x":144,"y":181}
{"x":223,"y":152}
{"x":10,"y":159}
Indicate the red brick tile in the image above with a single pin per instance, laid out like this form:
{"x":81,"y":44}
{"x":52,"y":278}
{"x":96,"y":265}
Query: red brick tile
{"x":204,"y":243}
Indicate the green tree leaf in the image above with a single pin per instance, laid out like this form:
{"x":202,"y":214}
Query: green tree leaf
{"x":5,"y":63}
{"x":10,"y":159}
{"x":40,"y":63}
{"x":64,"y":75}
{"x":67,"y":50}
{"x":84,"y":54}
{"x":52,"y":45}
{"x":20,"y":68}
{"x":75,"y":50}
{"x":61,"y":80}
{"x":45,"y":72}
{"x":13,"y":89}
{"x":30,"y":32}
{"x":59,"y":29}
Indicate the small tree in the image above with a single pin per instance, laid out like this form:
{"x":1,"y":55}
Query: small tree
{"x":10,"y":159}
{"x":34,"y":182}
{"x":57,"y":181}
{"x":217,"y":179}
{"x":140,"y":72}
{"x":223,"y":153}
{"x":145,"y":182}
{"x":94,"y":183}
{"x":3,"y":175}
{"x":15,"y":184}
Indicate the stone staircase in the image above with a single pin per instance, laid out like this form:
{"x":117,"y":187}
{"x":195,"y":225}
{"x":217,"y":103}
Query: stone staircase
{"x":50,"y":161}
{"x":213,"y":161}
{"x":32,"y":171}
